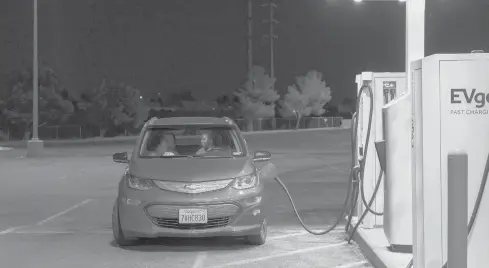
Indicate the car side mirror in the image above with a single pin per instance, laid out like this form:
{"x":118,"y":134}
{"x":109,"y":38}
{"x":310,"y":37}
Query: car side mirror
{"x":120,"y":158}
{"x":262,"y":156}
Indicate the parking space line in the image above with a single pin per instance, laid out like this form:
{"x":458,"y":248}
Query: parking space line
{"x":336,"y":230}
{"x":199,"y":261}
{"x":353,"y":264}
{"x":47,"y":232}
{"x":64,"y":212}
{"x":294,"y":252}
{"x":11,"y":230}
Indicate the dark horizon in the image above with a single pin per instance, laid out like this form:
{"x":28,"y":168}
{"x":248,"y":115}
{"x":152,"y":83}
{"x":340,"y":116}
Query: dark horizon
{"x":158,"y":45}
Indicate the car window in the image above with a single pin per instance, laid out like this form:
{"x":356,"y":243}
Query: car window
{"x":191,"y":141}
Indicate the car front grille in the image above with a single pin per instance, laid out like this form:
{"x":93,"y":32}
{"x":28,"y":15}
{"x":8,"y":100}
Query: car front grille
{"x":211,"y":223}
{"x":193,"y":187}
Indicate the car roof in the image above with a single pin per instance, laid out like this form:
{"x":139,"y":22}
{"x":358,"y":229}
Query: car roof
{"x":167,"y":121}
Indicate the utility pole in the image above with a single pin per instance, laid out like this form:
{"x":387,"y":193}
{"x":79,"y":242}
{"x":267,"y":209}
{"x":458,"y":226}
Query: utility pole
{"x":271,"y":35}
{"x":35,"y":145}
{"x":250,"y":35}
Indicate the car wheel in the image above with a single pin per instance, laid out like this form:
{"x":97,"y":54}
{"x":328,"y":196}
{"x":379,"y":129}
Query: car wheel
{"x":260,"y":238}
{"x":119,"y":237}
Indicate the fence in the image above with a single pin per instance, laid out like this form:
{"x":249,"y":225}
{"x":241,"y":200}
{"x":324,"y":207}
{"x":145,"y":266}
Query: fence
{"x":60,"y":132}
{"x":80,"y":132}
{"x":288,"y":123}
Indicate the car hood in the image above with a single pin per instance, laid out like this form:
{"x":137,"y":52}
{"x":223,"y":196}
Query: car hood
{"x":191,"y":169}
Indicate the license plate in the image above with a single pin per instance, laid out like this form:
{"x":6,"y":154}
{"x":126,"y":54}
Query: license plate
{"x":192,"y":215}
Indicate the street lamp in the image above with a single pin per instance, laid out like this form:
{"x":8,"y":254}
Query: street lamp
{"x":35,"y":145}
{"x":415,"y":21}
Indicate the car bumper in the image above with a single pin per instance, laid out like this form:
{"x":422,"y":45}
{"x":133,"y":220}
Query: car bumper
{"x":141,"y":220}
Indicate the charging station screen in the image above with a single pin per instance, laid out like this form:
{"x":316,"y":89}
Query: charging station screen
{"x":389,"y":90}
{"x":464,"y":112}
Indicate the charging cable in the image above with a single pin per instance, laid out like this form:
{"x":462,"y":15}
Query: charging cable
{"x":358,"y":171}
{"x":355,"y":185}
{"x":475,"y":212}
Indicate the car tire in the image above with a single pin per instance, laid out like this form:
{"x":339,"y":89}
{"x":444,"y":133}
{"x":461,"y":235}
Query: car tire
{"x":261,"y":238}
{"x":119,"y":237}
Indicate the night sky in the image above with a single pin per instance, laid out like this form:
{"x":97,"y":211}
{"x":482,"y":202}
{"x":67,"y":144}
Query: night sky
{"x":200,"y":45}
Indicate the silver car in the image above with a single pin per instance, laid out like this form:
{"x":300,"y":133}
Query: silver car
{"x":191,"y":177}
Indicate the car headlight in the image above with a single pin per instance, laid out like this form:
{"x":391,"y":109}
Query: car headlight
{"x":245,"y":182}
{"x":138,"y":184}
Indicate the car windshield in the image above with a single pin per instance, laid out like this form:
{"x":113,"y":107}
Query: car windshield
{"x":191,"y":141}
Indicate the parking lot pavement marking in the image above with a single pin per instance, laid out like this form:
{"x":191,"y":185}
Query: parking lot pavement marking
{"x":48,"y":232}
{"x":353,"y":264}
{"x":63,"y":212}
{"x":337,"y":230}
{"x":294,"y":252}
{"x":12,"y":230}
{"x":199,"y":261}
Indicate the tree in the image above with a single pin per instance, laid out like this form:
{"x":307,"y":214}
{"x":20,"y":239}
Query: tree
{"x":223,"y":101}
{"x":55,"y":106}
{"x":226,"y":102}
{"x":256,"y":97}
{"x":115,"y":104}
{"x":307,"y":96}
{"x":177,"y":99}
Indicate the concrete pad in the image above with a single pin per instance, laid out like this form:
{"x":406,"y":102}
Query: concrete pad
{"x":35,"y":148}
{"x":375,"y":247}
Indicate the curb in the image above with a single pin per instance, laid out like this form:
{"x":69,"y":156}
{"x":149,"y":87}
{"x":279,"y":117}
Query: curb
{"x":375,"y":249}
{"x":360,"y":237}
{"x":132,"y":139}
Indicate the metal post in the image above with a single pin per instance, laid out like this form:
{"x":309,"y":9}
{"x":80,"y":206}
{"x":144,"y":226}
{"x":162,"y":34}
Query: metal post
{"x":35,"y":79}
{"x":457,"y":210}
{"x":250,"y":35}
{"x":272,"y":56}
{"x":271,"y":35}
{"x":415,"y":34}
{"x":35,"y":145}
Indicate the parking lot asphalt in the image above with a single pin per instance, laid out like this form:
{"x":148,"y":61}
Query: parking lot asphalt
{"x":56,"y":211}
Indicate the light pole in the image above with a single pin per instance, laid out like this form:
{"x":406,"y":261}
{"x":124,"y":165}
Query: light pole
{"x":35,"y":145}
{"x":415,"y":33}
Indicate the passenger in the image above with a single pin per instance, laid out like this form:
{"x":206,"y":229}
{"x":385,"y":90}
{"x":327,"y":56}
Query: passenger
{"x":166,"y":146}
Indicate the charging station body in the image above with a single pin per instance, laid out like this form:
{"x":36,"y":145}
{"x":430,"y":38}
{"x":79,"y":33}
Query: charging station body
{"x":451,"y":112}
{"x":397,"y":124}
{"x":385,"y":87}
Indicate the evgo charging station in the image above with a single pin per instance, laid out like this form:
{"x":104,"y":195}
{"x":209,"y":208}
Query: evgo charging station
{"x":385,"y":87}
{"x":451,"y":117}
